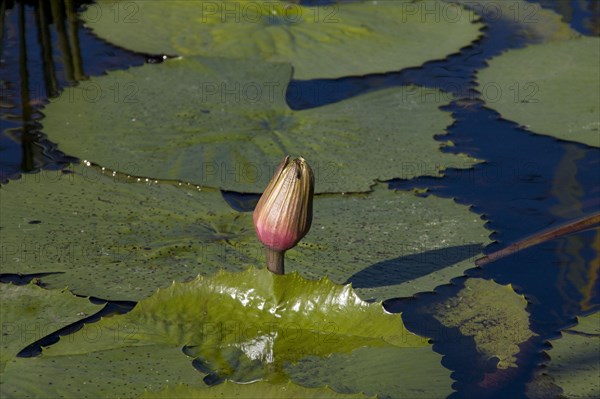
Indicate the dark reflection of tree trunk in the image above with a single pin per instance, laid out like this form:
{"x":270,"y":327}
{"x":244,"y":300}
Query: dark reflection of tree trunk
{"x":74,"y":38}
{"x":27,"y":139}
{"x":46,"y":47}
{"x":2,"y":14}
{"x":63,"y":42}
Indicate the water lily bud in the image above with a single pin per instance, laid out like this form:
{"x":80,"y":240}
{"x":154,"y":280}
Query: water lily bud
{"x":283,"y":214}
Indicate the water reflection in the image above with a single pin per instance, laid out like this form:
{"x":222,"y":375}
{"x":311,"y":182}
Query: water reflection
{"x":583,"y":15}
{"x":578,"y":271}
{"x":43,"y":49}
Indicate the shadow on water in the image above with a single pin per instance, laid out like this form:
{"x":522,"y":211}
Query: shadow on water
{"x":409,"y":267}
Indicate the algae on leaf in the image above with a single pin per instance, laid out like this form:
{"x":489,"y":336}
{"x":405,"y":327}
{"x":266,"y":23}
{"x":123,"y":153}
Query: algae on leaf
{"x":574,"y":362}
{"x":225,"y":123}
{"x":328,"y":41}
{"x":237,"y":326}
{"x":118,"y":240}
{"x":493,"y":314}
{"x":29,"y":313}
{"x":557,"y":98}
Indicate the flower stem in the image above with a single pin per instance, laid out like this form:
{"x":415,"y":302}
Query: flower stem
{"x":274,"y":260}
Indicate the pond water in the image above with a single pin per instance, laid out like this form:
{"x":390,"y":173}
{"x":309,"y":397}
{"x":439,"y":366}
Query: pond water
{"x":527,"y":183}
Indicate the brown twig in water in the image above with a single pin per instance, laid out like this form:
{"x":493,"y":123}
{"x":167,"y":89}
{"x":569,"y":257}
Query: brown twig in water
{"x":570,"y":227}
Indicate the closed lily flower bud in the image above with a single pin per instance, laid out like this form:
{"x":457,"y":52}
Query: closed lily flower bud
{"x":283,"y":214}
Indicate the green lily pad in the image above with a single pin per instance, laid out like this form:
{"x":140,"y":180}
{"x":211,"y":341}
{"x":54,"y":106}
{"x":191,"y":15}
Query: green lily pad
{"x":368,"y":369}
{"x":29,"y":313}
{"x":255,"y":390}
{"x":225,"y":123}
{"x":116,"y":240}
{"x":115,"y":373}
{"x":493,"y":314}
{"x":321,"y":42}
{"x":121,"y":241}
{"x":574,"y":363}
{"x":558,"y":98}
{"x":238,"y":326}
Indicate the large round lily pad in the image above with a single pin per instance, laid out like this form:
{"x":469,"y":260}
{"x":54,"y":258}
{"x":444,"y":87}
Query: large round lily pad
{"x":321,"y":42}
{"x":29,"y":313}
{"x":237,"y":326}
{"x":549,"y":88}
{"x":118,"y":240}
{"x":225,"y":123}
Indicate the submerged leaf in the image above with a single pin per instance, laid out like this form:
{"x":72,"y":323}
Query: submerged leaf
{"x":238,"y":326}
{"x":559,"y":98}
{"x":493,"y":314}
{"x":29,"y":313}
{"x":225,"y":123}
{"x":327,"y":41}
{"x":118,"y":240}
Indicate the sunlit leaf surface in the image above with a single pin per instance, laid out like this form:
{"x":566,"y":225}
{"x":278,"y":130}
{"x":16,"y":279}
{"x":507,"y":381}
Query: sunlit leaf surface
{"x":225,"y":123}
{"x":558,"y":98}
{"x":321,"y":42}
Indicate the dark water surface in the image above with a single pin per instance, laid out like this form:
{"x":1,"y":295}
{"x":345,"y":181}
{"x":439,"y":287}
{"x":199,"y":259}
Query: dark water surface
{"x":528,"y":182}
